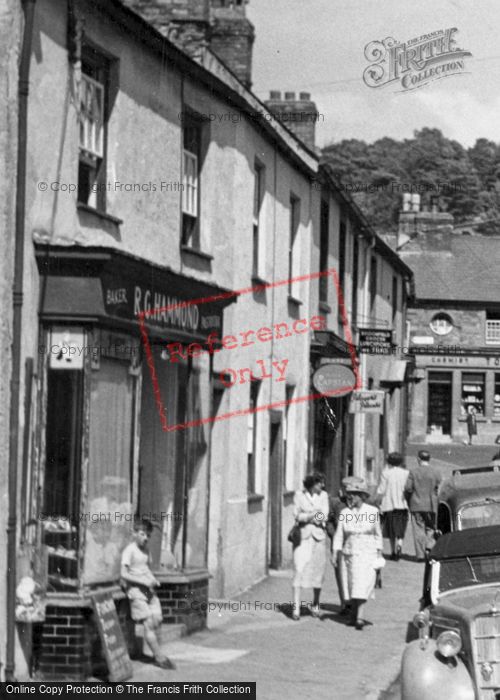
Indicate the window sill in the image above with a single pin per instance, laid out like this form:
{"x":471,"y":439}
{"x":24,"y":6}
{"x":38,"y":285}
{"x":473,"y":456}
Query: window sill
{"x":259,"y":281}
{"x":255,"y":498}
{"x":197,"y":253}
{"x":326,"y":308}
{"x":294,"y":301}
{"x":479,"y":419}
{"x":100,"y":214}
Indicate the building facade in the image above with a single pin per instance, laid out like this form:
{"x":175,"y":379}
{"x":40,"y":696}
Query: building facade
{"x":454,"y":322}
{"x":178,"y":242}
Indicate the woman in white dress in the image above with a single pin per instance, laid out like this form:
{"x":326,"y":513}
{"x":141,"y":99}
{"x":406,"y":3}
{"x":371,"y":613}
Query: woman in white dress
{"x":359,"y":538}
{"x":311,"y":508}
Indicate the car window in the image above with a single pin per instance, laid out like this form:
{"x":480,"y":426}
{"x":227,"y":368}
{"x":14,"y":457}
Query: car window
{"x":468,"y":571}
{"x":478,"y":515}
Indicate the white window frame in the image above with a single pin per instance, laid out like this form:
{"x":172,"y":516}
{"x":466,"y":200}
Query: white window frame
{"x":289,"y":419}
{"x":190,"y":181}
{"x":91,"y":120}
{"x":294,"y":245}
{"x":258,"y":221}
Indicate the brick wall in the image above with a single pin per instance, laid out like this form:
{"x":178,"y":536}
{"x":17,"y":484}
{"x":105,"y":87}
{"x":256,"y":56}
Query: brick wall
{"x":67,"y":645}
{"x":185,"y":603}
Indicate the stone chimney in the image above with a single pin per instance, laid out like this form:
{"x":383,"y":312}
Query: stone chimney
{"x":221,"y":25}
{"x":423,"y":228}
{"x":299,"y":114}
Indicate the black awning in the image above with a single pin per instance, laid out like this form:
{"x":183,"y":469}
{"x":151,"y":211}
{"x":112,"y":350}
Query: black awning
{"x":107,"y":285}
{"x":328,"y":344}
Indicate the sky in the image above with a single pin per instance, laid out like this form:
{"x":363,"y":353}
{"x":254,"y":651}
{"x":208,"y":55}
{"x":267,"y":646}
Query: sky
{"x":318,"y":46}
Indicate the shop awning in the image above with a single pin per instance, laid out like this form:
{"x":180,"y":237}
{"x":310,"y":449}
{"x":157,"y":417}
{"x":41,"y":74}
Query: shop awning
{"x":393,"y":372}
{"x":107,"y":285}
{"x":328,"y":344}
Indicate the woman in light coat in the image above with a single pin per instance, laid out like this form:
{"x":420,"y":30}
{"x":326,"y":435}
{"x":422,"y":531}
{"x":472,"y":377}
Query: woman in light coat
{"x":311,"y":508}
{"x":359,"y":538}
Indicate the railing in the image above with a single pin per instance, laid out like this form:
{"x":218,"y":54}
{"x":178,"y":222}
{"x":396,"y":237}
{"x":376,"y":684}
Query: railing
{"x":493,"y":332}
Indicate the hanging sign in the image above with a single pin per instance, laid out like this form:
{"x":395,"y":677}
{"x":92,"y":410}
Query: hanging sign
{"x":334,"y":380}
{"x":67,"y":348}
{"x":367,"y":402}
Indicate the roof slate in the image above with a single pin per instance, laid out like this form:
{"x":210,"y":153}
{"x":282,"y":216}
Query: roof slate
{"x":470,"y":271}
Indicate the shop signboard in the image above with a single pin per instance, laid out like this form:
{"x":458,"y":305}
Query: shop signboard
{"x":334,"y":380}
{"x":375,"y":341}
{"x":367,"y":402}
{"x":111,"y":635}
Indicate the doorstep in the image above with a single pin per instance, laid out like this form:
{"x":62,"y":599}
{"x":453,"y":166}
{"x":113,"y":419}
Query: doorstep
{"x":166,"y":634}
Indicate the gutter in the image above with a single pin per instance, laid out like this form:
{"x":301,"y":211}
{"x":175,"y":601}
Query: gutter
{"x":17,"y":293}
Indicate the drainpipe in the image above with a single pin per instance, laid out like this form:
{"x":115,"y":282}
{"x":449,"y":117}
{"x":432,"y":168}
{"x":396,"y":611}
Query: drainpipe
{"x":360,"y":418}
{"x":17,"y":293}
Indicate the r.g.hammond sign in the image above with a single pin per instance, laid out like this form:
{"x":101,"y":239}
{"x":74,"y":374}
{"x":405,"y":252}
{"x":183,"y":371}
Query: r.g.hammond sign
{"x":416,"y":62}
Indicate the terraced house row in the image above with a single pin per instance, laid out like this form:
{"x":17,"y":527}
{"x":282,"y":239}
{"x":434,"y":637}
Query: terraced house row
{"x":171,"y":285}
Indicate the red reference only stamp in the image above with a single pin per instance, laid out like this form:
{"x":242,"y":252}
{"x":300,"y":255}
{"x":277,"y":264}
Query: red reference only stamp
{"x":262,"y":369}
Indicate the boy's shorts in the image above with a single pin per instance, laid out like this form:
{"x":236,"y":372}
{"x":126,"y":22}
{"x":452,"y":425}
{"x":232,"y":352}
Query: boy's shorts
{"x":144,"y":607}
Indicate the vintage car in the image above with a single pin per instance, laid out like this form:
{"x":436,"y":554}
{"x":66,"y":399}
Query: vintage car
{"x":457,"y":655}
{"x":469,"y":498}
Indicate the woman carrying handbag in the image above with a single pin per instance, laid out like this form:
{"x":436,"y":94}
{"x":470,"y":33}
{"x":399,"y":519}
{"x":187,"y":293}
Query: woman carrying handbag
{"x":311,"y":509}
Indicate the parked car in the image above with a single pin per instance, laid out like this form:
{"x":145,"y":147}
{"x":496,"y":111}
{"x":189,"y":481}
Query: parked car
{"x":469,"y":498}
{"x":457,"y":655}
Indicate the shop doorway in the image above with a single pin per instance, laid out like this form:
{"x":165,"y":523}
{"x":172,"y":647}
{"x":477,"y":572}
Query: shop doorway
{"x":439,"y":402}
{"x":275,"y":488}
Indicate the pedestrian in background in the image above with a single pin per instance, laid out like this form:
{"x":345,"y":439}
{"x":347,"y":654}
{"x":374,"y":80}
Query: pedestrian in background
{"x":311,"y":508}
{"x":471,"y":423}
{"x":359,"y":538}
{"x":422,"y":488}
{"x":393,"y":504}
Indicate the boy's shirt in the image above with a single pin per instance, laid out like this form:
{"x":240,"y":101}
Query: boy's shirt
{"x":137,"y":562}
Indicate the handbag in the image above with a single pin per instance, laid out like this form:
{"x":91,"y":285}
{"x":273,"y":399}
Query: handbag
{"x":294,"y":535}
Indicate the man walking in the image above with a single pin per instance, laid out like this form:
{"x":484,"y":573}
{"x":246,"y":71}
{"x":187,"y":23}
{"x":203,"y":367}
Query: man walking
{"x":422,"y":487}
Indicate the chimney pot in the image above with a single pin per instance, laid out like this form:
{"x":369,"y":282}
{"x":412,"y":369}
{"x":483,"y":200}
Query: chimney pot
{"x":275,"y":95}
{"x":289,"y":96}
{"x":306,"y":96}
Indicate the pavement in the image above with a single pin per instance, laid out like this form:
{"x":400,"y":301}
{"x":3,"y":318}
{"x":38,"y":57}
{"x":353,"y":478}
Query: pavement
{"x":252,"y":638}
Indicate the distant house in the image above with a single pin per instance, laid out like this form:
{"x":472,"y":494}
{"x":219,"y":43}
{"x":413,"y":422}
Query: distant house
{"x":454,"y":328}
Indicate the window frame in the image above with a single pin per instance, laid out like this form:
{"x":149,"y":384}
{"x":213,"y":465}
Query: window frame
{"x":324,"y":245}
{"x":253,"y":428}
{"x":190,"y":220}
{"x":293,"y":241}
{"x":258,"y":237}
{"x":92,"y":164}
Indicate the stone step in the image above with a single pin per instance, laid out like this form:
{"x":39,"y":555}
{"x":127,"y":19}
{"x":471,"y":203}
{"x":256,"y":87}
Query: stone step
{"x":166,"y":633}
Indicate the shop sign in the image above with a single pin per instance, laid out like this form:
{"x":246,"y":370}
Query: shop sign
{"x":67,"y":348}
{"x":375,"y":341}
{"x":112,"y":639}
{"x":334,"y":380}
{"x":367,"y":402}
{"x":163,"y":306}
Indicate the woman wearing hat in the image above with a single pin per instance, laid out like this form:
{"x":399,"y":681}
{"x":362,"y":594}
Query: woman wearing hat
{"x":311,"y":508}
{"x":359,"y":538}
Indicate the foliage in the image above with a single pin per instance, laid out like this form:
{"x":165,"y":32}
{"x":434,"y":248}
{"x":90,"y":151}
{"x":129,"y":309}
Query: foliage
{"x":464,"y":182}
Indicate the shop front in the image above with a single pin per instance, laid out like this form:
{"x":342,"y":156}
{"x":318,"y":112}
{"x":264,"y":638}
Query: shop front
{"x":331,"y":424}
{"x":120,"y":436}
{"x":448,"y":388}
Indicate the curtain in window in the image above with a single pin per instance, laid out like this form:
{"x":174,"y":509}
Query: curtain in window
{"x":109,"y":519}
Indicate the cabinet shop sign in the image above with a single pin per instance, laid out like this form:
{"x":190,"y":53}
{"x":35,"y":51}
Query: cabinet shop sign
{"x":414,"y":63}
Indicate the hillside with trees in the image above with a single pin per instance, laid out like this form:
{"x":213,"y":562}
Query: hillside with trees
{"x":466,"y":181}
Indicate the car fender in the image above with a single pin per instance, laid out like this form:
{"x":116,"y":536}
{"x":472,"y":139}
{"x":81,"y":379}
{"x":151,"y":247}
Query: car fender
{"x":426,"y":675}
